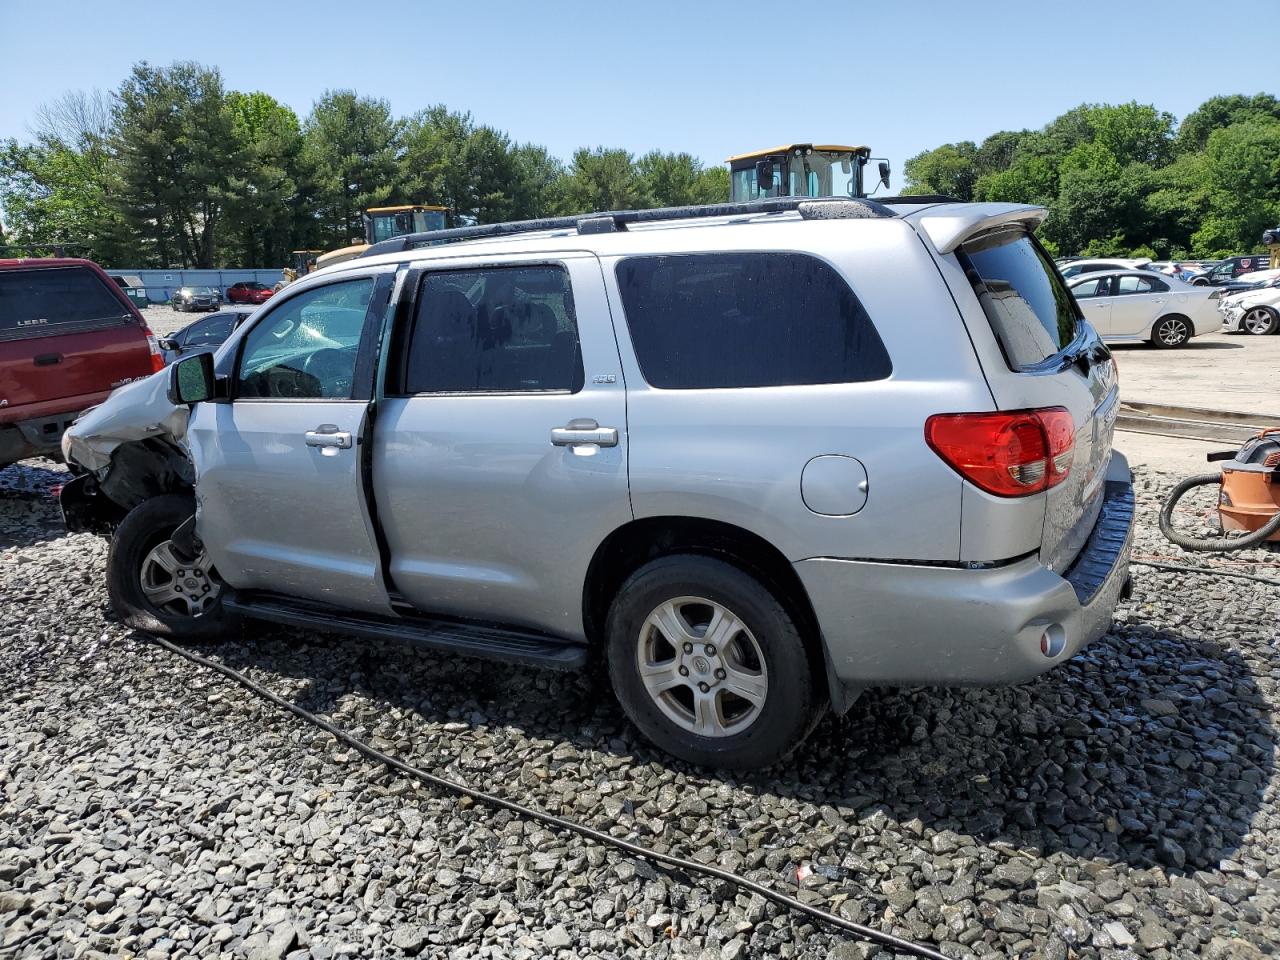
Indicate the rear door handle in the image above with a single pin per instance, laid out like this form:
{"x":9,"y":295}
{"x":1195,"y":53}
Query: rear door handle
{"x":328,"y":435}
{"x":584,"y":431}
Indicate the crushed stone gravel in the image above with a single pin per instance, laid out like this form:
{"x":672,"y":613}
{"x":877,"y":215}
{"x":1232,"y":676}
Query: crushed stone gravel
{"x":1123,"y":805}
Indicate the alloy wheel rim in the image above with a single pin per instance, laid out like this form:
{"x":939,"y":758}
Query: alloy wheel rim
{"x":1256,"y":321}
{"x":177,"y":585}
{"x":1171,"y":333}
{"x":702,"y":667}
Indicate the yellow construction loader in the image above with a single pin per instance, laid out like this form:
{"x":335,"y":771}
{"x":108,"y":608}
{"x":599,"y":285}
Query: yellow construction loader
{"x":380,"y":223}
{"x":802,"y":170}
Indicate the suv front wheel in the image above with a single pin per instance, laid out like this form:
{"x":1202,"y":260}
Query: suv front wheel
{"x":159,"y":587}
{"x":709,"y":665}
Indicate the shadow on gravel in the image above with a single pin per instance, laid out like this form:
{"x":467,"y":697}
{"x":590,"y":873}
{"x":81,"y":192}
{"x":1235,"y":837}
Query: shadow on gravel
{"x":1151,"y":747}
{"x":28,"y":508}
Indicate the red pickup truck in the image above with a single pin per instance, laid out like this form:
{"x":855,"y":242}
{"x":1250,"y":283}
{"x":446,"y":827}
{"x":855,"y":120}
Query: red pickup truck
{"x":68,"y":337}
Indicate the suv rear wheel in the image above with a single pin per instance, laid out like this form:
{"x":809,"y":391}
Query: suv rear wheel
{"x":158,"y":587}
{"x":707,"y":663}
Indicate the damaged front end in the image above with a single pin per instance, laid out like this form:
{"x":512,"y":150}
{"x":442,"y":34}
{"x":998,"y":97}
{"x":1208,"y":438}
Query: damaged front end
{"x":124,"y":451}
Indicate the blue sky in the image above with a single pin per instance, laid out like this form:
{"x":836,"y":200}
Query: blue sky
{"x":706,"y":76}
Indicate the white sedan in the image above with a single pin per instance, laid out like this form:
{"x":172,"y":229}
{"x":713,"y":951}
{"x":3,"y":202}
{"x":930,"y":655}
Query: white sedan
{"x":1129,"y":306}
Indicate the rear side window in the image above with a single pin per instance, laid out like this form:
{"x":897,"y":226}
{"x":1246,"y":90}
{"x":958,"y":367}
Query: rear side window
{"x":41,"y":302}
{"x":499,"y":330}
{"x":1028,"y":307}
{"x":701,"y":321}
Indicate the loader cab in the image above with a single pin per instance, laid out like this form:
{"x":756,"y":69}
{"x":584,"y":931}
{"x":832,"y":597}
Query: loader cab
{"x":801,"y":170}
{"x":383,"y":223}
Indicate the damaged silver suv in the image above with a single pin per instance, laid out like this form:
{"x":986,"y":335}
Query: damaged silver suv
{"x":757,"y":457}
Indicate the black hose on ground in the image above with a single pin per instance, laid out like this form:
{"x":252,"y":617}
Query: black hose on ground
{"x":492,"y":800}
{"x":1214,"y":544}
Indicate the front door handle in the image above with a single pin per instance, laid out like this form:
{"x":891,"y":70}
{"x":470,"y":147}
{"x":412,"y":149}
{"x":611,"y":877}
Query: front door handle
{"x":328,"y":435}
{"x":584,"y":431}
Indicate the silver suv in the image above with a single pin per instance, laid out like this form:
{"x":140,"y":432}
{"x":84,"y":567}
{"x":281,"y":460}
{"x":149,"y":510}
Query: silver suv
{"x":757,"y":457}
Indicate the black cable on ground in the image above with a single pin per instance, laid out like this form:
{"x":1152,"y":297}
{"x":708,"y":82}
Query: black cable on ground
{"x":559,"y":823}
{"x":1209,"y":571}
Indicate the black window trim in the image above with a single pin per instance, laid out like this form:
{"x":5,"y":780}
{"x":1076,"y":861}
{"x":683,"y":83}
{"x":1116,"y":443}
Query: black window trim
{"x":1051,"y":364}
{"x":835,"y":268}
{"x":362,"y":372}
{"x":397,"y":367}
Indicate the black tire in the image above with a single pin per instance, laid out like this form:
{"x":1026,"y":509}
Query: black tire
{"x":793,"y":702}
{"x":1260,"y":327}
{"x":1199,"y":281}
{"x":147,"y":526}
{"x":1171,"y":331}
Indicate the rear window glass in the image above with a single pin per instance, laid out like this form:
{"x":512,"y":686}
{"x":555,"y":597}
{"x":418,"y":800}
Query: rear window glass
{"x":700,"y":321}
{"x":1029,"y":309}
{"x":34,"y":301}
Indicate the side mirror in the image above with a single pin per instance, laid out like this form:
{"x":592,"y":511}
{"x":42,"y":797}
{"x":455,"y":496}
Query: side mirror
{"x":191,"y":379}
{"x":884,"y":173}
{"x":169,"y":343}
{"x":764,"y":175}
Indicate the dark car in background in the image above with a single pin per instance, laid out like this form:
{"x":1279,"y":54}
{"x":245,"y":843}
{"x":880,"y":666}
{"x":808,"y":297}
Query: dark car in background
{"x":249,"y":291}
{"x":186,"y":299}
{"x":204,"y":335}
{"x":68,"y":337}
{"x":1224,"y":272}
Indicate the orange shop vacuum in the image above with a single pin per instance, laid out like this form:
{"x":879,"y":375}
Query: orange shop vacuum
{"x":1248,"y":503}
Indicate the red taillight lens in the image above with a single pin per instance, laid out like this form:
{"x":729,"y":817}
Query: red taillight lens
{"x":157,"y":358}
{"x":1010,"y":454}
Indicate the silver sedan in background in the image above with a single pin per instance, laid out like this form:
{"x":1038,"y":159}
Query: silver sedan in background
{"x":1130,"y":306}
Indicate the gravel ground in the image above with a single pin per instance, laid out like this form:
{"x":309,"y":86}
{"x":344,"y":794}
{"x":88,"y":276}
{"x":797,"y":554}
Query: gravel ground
{"x":1124,"y":805}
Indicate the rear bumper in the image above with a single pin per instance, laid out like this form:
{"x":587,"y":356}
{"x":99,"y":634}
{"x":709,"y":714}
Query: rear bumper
{"x":901,"y":624}
{"x":34,"y":437}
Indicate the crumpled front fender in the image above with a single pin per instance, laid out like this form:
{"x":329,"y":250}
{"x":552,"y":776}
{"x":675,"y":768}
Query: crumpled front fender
{"x":136,"y":411}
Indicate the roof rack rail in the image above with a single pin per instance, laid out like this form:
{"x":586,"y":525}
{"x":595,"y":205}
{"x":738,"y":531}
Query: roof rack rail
{"x":921,"y":198}
{"x":611,"y":221}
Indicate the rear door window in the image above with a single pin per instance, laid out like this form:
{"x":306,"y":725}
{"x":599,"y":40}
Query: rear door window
{"x":1092,"y":288}
{"x":498,"y":330}
{"x":1026,"y":303}
{"x":51,"y":300}
{"x":702,"y":321}
{"x":1132,"y":284}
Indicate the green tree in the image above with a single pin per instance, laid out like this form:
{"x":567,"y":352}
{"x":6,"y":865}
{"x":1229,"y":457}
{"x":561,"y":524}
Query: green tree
{"x":265,"y":213}
{"x":351,"y":145}
{"x":1242,"y":185}
{"x":603,"y":179}
{"x":950,"y":170}
{"x":55,"y":190}
{"x":678,"y":179}
{"x":1219,"y":112}
{"x":176,"y":155}
{"x":537,"y":190}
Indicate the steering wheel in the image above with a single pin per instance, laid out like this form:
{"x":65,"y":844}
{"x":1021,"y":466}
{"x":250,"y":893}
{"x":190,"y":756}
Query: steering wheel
{"x":332,"y":368}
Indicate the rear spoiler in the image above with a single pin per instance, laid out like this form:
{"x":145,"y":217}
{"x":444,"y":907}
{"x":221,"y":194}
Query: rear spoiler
{"x":950,"y":225}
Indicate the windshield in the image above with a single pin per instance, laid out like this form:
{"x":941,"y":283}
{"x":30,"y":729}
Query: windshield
{"x":823,"y":173}
{"x":388,"y":225}
{"x":1029,"y":309}
{"x":819,"y":173}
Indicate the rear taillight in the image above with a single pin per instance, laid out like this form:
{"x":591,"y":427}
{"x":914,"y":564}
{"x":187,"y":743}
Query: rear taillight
{"x":157,"y":358}
{"x":1010,"y":454}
